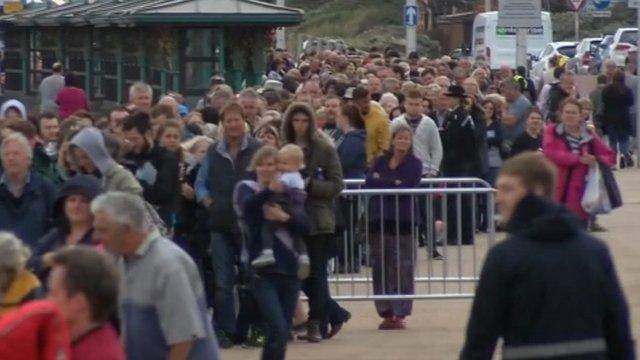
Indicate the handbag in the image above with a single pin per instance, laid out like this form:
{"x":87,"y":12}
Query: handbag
{"x":595,"y":199}
{"x":610,"y":183}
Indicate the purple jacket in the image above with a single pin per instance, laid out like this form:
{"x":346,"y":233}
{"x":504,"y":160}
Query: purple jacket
{"x":381,"y":176}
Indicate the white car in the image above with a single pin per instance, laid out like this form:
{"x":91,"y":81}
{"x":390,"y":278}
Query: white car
{"x":584,"y":53}
{"x":624,"y":41}
{"x":541,"y":63}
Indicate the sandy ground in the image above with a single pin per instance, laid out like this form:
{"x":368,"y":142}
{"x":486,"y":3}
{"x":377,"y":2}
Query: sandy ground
{"x":436,"y":329}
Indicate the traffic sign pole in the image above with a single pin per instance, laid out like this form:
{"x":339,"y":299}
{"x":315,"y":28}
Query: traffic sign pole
{"x":637,"y":87}
{"x":411,"y":25}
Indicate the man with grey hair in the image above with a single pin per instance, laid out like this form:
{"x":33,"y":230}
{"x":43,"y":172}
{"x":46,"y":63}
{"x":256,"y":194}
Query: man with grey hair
{"x":140,"y":96}
{"x":26,"y":198}
{"x":518,"y":106}
{"x":252,"y":106}
{"x":49,"y":89}
{"x":162,"y":304}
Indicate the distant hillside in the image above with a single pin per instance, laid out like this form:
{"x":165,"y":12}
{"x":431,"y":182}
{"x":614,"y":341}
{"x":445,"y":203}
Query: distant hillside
{"x":361,"y":23}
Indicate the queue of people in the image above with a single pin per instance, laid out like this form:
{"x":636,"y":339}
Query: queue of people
{"x":239,"y":199}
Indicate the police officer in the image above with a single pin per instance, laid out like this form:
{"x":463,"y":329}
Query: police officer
{"x":462,"y":158}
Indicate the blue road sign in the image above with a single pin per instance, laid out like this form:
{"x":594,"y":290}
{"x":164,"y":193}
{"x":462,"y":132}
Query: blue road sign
{"x":410,"y":15}
{"x":600,"y":5}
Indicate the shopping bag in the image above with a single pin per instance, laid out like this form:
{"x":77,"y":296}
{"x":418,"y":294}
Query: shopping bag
{"x":595,"y":199}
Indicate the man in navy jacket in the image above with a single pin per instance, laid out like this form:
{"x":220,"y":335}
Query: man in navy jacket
{"x":550,"y":290}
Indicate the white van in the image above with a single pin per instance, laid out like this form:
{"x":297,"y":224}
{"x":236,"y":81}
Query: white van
{"x":498,"y":44}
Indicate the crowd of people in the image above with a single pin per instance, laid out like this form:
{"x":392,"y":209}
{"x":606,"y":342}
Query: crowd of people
{"x":232,"y":207}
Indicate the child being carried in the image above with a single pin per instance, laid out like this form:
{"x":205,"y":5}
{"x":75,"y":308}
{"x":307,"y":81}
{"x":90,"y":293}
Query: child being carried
{"x":291,"y":199}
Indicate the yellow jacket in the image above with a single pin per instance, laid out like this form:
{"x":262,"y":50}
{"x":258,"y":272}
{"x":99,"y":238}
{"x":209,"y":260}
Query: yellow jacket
{"x":22,"y":289}
{"x":378,"y":136}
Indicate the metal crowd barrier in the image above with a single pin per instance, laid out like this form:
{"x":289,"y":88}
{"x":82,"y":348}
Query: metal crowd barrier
{"x":381,"y":260}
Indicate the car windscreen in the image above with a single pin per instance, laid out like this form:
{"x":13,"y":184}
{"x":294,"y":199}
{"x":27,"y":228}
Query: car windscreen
{"x":630,"y":37}
{"x":569,"y":51}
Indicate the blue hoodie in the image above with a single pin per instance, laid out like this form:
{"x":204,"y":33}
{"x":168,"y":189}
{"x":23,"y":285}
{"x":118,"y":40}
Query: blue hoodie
{"x":352,"y":152}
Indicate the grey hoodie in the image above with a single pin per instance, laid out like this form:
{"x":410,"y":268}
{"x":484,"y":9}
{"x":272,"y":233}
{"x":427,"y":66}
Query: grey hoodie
{"x":114,"y":176}
{"x":13,"y":103}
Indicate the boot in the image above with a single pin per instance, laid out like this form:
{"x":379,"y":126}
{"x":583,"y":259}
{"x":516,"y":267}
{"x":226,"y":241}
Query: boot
{"x":313,"y":332}
{"x":629,"y":160}
{"x":623,"y":162}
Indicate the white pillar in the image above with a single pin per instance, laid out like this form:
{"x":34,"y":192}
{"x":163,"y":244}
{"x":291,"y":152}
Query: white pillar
{"x":281,"y":39}
{"x":521,"y":46}
{"x":487,"y":5}
{"x":411,"y":31}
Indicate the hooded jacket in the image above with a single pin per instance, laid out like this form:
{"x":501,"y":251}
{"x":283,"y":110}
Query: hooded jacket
{"x":113,"y":176}
{"x":13,"y":103}
{"x":323,"y":171}
{"x":550,"y":291}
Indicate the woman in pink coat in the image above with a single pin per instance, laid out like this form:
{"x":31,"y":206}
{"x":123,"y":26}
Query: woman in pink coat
{"x":573,"y":149}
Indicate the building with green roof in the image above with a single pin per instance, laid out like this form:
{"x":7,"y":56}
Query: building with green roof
{"x":171,"y":44}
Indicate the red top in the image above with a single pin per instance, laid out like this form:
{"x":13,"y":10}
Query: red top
{"x":70,"y":100}
{"x":101,"y":343}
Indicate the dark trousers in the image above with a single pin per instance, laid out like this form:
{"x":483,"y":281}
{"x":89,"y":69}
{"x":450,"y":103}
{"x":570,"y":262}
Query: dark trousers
{"x":224,"y":255}
{"x":466,"y":218}
{"x":316,"y":286}
{"x":276,"y":296}
{"x":347,"y":231}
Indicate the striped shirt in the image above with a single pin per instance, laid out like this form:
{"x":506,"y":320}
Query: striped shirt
{"x":574,"y":143}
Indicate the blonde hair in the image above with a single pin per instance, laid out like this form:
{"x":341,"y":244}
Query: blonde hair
{"x":13,"y":258}
{"x":265,"y":152}
{"x":293,"y":151}
{"x":191,"y":144}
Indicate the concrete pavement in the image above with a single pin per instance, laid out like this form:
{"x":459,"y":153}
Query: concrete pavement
{"x":436,"y":329}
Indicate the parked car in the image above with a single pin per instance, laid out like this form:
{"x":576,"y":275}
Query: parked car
{"x":541,"y":62}
{"x":603,"y":50}
{"x":624,"y":40}
{"x":585,"y":52}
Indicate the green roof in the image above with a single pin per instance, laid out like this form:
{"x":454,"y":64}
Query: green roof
{"x":106,"y":13}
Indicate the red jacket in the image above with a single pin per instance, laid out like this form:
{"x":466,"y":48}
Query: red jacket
{"x":572,"y":173}
{"x":71,"y":100}
{"x":35,"y":331}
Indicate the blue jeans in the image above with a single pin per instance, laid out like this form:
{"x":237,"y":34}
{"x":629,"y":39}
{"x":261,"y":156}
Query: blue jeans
{"x":276,"y":296}
{"x":224,"y":255}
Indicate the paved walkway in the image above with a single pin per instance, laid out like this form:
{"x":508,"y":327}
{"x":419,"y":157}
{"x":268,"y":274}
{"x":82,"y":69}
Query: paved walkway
{"x":436,"y":329}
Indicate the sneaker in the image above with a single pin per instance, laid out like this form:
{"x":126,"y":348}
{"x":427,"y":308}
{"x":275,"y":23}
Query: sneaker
{"x":304,"y":267}
{"x":435,"y":255}
{"x":265,"y":259}
{"x":313,"y":332}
